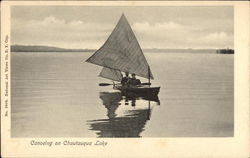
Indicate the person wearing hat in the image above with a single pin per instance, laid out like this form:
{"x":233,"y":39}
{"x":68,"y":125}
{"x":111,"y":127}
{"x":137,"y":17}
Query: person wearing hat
{"x":133,"y":81}
{"x":125,"y":79}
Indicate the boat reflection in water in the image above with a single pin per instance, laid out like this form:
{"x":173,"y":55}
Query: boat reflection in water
{"x":127,"y":115}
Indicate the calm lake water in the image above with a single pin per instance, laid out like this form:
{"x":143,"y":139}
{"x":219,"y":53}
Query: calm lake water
{"x":57,"y":95}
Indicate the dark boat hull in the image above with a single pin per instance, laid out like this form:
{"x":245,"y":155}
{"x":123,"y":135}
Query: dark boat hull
{"x":149,"y":91}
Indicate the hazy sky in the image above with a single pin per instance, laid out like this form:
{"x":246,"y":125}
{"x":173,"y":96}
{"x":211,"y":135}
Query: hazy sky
{"x":154,"y":27}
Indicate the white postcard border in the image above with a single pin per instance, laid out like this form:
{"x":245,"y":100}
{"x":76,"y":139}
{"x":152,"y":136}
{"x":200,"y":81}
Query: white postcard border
{"x":237,"y":146}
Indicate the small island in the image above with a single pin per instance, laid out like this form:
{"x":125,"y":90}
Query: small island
{"x":225,"y":51}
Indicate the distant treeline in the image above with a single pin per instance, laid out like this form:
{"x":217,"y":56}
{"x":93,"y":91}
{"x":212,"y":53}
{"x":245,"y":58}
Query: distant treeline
{"x":37,"y":48}
{"x":225,"y":51}
{"x":180,"y":50}
{"x":22,"y":48}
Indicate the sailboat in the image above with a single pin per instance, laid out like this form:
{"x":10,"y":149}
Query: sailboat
{"x":122,"y":53}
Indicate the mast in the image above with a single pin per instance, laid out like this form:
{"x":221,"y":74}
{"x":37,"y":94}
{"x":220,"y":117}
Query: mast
{"x":149,"y":76}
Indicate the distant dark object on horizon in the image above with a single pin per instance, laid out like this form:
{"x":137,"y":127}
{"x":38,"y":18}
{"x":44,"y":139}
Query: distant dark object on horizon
{"x":225,"y":51}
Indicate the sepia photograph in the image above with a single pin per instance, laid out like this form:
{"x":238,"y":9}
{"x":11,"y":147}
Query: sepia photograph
{"x":83,"y":71}
{"x":99,"y":77}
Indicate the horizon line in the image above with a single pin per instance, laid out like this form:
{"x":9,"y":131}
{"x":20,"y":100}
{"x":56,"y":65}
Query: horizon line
{"x":97,"y":48}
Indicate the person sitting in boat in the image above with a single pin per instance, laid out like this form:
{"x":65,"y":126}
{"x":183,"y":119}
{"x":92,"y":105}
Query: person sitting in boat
{"x":125,"y":79}
{"x":133,"y":81}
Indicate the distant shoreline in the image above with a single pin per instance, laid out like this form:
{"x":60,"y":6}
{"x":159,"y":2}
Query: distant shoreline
{"x":48,"y":49}
{"x":38,"y":48}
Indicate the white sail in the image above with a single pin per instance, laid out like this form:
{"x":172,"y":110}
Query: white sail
{"x":122,"y":52}
{"x":111,"y":74}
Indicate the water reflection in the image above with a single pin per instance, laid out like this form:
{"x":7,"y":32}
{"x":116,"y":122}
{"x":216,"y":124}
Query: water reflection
{"x":127,"y":115}
{"x":111,"y":101}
